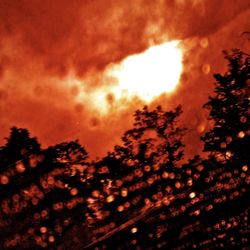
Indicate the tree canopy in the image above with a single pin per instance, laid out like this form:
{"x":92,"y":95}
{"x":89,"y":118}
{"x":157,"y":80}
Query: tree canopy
{"x":141,"y":195}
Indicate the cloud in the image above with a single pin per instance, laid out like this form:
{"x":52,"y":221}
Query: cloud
{"x":86,"y":35}
{"x":44,"y":42}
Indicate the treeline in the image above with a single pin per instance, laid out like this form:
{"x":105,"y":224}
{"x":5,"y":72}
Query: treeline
{"x":140,"y":195}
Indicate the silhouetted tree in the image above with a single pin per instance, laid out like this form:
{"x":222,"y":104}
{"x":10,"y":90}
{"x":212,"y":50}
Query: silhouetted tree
{"x":229,"y":110}
{"x":145,"y":171}
{"x":19,"y":149}
{"x":69,"y":152}
{"x":217,"y":212}
{"x":41,"y":191}
{"x":222,"y":184}
{"x":18,"y":146}
{"x":206,"y":203}
{"x":141,"y":195}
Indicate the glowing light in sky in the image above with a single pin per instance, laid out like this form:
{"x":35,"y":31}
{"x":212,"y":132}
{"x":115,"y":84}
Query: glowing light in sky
{"x":151,"y":73}
{"x":146,"y":75}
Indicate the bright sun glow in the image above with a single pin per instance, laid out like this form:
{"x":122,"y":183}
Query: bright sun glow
{"x":151,"y":73}
{"x":146,"y":75}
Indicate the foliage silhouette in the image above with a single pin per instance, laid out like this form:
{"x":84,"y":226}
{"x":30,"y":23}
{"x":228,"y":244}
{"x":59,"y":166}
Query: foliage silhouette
{"x":39,"y":194}
{"x":140,"y":195}
{"x":211,"y":209}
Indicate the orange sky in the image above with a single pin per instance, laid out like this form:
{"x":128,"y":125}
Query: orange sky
{"x":43,"y":42}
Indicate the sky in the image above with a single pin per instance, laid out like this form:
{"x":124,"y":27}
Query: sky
{"x":54,"y":57}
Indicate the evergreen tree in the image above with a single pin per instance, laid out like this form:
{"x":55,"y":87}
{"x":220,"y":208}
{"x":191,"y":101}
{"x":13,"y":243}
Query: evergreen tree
{"x":229,"y":109}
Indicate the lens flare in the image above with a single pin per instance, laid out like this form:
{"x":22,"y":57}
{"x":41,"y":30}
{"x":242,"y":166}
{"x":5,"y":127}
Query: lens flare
{"x":151,"y":73}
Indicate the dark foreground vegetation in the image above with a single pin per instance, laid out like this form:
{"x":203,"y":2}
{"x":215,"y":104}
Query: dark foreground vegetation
{"x":141,"y":195}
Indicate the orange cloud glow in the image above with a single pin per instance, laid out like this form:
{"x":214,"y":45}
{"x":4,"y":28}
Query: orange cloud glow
{"x":160,"y":64}
{"x":59,"y":59}
{"x":132,"y":78}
